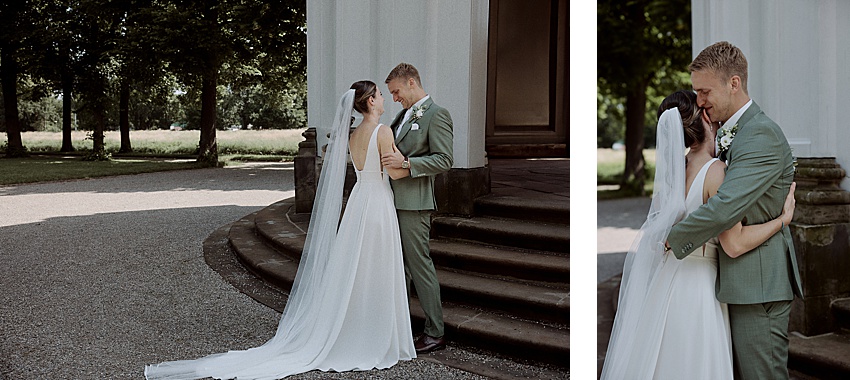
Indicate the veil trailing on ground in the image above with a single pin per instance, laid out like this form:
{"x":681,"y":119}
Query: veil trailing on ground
{"x":306,"y":324}
{"x":638,"y":325}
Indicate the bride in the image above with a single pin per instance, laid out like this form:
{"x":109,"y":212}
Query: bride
{"x":669,"y":325}
{"x":348,"y":307}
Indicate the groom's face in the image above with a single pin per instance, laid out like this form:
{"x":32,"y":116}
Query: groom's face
{"x":402,"y":92}
{"x":713,"y":94}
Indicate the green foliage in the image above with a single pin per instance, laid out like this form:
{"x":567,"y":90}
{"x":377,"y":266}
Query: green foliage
{"x":653,"y":44}
{"x":256,"y":48}
{"x":37,"y":111}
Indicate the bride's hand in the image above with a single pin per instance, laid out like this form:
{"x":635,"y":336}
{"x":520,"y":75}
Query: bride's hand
{"x":790,"y":204}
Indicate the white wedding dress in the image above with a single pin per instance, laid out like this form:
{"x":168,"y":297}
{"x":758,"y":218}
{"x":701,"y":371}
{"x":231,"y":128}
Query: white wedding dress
{"x":356,"y":316}
{"x":669,"y":325}
{"x":696,"y":340}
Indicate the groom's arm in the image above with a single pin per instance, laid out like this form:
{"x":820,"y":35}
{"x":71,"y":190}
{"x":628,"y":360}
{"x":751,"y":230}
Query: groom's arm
{"x":756,"y":165}
{"x":440,"y":145}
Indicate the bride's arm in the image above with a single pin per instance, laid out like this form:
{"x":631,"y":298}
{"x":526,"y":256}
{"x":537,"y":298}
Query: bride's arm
{"x":386,"y":144}
{"x":741,"y":239}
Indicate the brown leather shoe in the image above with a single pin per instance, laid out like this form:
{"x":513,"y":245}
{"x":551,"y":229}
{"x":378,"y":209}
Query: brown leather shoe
{"x":425,"y":344}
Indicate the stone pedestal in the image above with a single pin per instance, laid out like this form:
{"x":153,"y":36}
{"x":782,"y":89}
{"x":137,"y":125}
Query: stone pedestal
{"x":307,"y":164}
{"x":456,"y":190}
{"x":821,"y":231}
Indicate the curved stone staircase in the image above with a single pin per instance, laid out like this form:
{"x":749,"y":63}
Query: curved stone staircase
{"x":504,"y":274}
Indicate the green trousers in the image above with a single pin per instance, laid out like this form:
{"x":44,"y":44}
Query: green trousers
{"x":760,"y":340}
{"x":415,"y":229}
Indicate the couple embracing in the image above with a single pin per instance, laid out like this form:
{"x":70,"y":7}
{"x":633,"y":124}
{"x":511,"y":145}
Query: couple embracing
{"x":348,"y":308}
{"x":707,"y":285}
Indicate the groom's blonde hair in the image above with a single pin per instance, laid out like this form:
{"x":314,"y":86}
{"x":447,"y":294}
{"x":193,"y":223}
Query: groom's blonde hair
{"x":724,"y":59}
{"x":404,"y":71}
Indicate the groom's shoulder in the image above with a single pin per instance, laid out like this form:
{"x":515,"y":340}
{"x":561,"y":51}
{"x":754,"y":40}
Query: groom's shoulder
{"x":435,"y":106}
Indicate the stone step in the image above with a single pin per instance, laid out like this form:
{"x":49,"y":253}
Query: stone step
{"x":841,"y":311}
{"x":823,"y":356}
{"x":277,"y":263}
{"x":510,"y":336}
{"x":265,"y":262}
{"x":516,"y":207}
{"x":493,"y":331}
{"x":516,"y":263}
{"x":553,"y":237}
{"x":521,"y":300}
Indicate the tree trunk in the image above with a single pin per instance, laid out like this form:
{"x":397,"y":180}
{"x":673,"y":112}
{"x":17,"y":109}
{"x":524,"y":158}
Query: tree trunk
{"x":9,"y":75}
{"x":635,"y":173}
{"x":99,"y":127}
{"x":67,"y":88}
{"x":124,"y":117}
{"x":208,"y":149}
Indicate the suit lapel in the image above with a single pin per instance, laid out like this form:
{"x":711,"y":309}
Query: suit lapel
{"x":748,"y":115}
{"x":397,"y":120}
{"x":409,"y":123}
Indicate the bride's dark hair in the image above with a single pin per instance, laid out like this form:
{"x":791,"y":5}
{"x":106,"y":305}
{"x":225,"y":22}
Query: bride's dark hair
{"x":686,"y":102}
{"x":363,"y":90}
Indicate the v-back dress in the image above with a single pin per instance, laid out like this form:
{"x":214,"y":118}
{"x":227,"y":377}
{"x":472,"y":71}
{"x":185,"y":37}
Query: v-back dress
{"x":363,"y":315}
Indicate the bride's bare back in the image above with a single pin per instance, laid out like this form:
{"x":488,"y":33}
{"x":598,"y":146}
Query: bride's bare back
{"x":358,"y":145}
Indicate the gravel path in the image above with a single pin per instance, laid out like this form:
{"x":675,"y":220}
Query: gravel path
{"x":102,"y":276}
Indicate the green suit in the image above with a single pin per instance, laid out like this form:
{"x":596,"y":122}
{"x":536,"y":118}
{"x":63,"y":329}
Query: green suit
{"x":427,"y":141}
{"x":759,"y":285}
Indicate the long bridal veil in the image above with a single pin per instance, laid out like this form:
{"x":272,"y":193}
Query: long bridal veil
{"x":308,"y":320}
{"x":638,"y":325}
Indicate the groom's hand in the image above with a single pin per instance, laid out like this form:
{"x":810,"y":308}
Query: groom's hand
{"x":392,"y":159}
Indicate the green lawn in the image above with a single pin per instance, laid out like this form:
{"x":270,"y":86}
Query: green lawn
{"x":38,"y":168}
{"x":149,"y":150}
{"x":161,"y":142}
{"x":609,"y":170}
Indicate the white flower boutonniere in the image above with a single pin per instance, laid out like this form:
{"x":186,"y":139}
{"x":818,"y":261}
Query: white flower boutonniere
{"x":418,"y":112}
{"x":724,"y":138}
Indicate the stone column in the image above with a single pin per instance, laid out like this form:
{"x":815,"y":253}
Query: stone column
{"x":821,"y":231}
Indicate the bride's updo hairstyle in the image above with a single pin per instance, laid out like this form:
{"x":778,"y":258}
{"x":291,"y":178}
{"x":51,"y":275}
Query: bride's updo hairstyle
{"x":363,"y":90}
{"x":686,"y":102}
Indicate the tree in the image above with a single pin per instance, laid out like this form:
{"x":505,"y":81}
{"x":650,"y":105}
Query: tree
{"x":58,"y":32}
{"x":637,"y":40}
{"x":14,"y":37}
{"x":201,"y":39}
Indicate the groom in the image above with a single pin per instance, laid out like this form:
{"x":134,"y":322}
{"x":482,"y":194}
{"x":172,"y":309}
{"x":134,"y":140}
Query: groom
{"x":759,"y":285}
{"x":424,"y":136}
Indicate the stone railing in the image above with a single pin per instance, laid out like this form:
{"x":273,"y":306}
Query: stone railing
{"x":821,"y":231}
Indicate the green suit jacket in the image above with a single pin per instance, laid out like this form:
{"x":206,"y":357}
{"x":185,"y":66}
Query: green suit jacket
{"x":759,"y":173}
{"x":428,"y":142}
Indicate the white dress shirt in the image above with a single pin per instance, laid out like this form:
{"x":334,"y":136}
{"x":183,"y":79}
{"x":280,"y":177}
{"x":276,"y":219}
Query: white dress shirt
{"x":409,"y":112}
{"x":731,"y":122}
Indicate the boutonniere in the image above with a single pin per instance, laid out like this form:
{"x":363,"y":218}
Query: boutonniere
{"x":725,"y":137}
{"x":418,"y":112}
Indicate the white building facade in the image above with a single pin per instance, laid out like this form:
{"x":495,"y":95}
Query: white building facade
{"x":798,"y":54}
{"x":446,"y":40}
